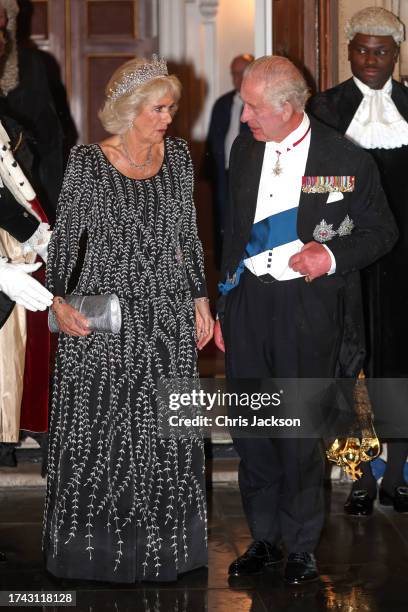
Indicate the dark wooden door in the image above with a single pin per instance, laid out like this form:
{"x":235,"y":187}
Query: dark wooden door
{"x":89,"y":39}
{"x":305,"y":32}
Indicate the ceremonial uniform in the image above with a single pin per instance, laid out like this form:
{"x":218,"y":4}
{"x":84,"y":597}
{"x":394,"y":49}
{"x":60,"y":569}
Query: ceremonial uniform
{"x":24,"y":337}
{"x":21,"y":225}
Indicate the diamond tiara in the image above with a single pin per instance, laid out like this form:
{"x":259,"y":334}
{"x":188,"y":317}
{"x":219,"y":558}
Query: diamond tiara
{"x":143,"y":73}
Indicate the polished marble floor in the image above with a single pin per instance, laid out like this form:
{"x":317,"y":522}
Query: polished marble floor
{"x":363,"y":562}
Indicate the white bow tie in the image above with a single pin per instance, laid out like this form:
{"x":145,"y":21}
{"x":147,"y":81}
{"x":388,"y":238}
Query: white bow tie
{"x":377,"y":123}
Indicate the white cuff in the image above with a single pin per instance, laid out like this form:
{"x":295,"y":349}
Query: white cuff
{"x":38,"y":241}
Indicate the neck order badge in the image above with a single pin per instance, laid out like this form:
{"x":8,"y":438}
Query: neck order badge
{"x":277,"y":169}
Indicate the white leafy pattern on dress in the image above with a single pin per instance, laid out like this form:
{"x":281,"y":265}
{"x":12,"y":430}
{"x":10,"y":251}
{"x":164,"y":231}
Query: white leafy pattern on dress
{"x":132,"y":502}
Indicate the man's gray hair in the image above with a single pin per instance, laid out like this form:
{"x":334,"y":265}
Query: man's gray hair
{"x":283,"y":81}
{"x":375,"y":21}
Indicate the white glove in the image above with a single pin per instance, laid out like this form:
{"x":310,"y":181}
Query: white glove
{"x":16,"y":282}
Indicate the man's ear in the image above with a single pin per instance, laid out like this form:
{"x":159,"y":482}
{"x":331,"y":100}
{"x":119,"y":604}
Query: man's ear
{"x":287,"y":111}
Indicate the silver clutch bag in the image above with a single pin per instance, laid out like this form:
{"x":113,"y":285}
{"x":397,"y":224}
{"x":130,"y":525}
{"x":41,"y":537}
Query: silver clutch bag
{"x":102,"y":311}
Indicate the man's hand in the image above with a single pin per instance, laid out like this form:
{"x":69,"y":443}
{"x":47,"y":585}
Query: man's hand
{"x":17,"y":284}
{"x":312,"y":261}
{"x":218,"y":339}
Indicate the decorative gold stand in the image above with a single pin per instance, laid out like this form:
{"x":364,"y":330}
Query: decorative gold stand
{"x":348,"y":453}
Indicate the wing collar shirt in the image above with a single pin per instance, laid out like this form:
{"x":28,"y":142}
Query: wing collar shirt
{"x":281,"y":192}
{"x":377,"y":123}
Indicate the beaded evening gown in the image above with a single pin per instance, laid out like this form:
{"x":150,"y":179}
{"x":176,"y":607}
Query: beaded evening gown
{"x":123,"y":503}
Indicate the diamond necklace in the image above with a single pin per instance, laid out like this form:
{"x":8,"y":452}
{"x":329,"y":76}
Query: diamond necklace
{"x":143,"y":165}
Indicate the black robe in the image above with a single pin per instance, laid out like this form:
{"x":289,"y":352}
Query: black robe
{"x":385,"y":293}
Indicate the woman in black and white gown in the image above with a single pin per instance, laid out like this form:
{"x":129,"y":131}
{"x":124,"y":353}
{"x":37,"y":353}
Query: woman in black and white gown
{"x":123,"y":503}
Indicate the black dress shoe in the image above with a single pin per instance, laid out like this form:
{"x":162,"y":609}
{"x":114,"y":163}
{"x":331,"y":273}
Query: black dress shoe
{"x":259,"y":555}
{"x":359,"y":503}
{"x":7,"y":455}
{"x":385,"y":498}
{"x":401,"y":499}
{"x":301,"y":568}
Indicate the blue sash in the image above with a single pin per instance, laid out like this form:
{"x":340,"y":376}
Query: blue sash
{"x":265,"y":235}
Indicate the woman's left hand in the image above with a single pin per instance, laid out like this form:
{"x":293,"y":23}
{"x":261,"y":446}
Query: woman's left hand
{"x":204,"y":322}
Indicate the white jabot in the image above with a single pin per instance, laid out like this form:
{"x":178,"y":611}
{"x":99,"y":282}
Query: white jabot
{"x":377,"y":123}
{"x":234,"y":125}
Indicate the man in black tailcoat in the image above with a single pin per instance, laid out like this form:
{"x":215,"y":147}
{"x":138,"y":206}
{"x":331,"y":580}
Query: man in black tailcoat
{"x":290,"y":304}
{"x":371,"y":109}
{"x":225,"y":126}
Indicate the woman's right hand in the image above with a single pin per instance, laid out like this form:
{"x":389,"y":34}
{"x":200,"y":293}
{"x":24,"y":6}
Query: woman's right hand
{"x":70,"y":320}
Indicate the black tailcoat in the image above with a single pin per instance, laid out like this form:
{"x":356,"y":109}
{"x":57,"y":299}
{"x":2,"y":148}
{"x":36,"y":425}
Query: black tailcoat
{"x":297,"y":329}
{"x":215,"y":161}
{"x":374,"y":232}
{"x":217,"y":132}
{"x":385,"y":295}
{"x":219,"y":124}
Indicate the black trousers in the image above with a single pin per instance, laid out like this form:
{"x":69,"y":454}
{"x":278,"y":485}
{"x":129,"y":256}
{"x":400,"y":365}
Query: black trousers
{"x":284,"y":329}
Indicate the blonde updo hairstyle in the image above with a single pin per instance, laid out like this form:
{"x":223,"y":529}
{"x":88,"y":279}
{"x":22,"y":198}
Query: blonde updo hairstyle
{"x":118,"y":113}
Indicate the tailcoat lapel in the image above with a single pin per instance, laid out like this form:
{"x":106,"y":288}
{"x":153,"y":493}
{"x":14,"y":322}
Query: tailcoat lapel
{"x":310,"y":203}
{"x":247,"y":187}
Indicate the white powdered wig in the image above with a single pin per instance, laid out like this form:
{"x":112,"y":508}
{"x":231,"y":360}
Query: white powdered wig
{"x":375,"y":21}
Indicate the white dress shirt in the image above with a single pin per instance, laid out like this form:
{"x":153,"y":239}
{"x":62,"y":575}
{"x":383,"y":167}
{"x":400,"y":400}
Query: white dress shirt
{"x":281,"y":192}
